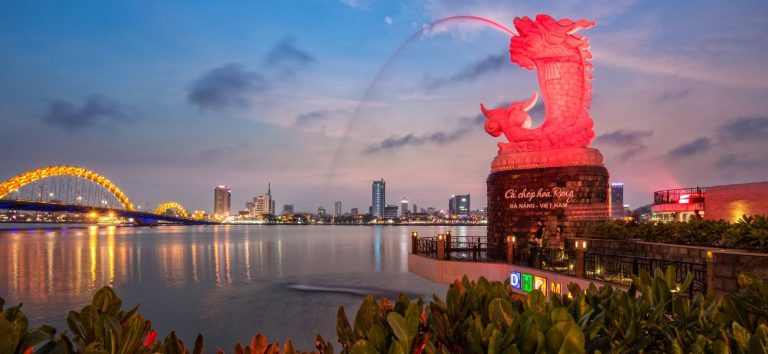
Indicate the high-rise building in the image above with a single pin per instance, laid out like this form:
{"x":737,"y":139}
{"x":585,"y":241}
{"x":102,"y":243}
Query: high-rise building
{"x":415,"y":209}
{"x":263,"y":204}
{"x":321,"y":212}
{"x":459,"y":205}
{"x":390,"y":212}
{"x":271,"y":200}
{"x":287,"y":209}
{"x":337,"y":209}
{"x":354,"y":211}
{"x":617,"y":200}
{"x":378,"y":196}
{"x":221,"y":201}
{"x":403,"y":206}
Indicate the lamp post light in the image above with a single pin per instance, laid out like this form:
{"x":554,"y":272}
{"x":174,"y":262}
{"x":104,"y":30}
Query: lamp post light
{"x":580,"y":248}
{"x":441,"y":246}
{"x":510,"y":249}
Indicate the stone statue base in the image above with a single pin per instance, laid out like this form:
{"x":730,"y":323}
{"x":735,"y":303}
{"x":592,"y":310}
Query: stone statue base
{"x":508,"y":160}
{"x":574,"y":197}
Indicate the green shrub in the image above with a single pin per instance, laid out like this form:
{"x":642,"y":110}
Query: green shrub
{"x":652,"y":316}
{"x":614,"y":229}
{"x":748,"y":233}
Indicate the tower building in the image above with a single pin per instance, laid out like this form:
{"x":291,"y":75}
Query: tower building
{"x":617,"y":200}
{"x":378,"y":195}
{"x":222,"y":196}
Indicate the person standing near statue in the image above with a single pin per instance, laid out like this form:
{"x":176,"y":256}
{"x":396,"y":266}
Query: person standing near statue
{"x":540,"y":233}
{"x":535,"y":242}
{"x":556,"y":241}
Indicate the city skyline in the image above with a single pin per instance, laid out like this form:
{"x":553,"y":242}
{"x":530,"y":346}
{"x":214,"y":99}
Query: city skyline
{"x":246,"y":98}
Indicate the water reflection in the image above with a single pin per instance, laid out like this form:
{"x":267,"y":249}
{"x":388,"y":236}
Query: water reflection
{"x":210,"y":279}
{"x":377,"y":247}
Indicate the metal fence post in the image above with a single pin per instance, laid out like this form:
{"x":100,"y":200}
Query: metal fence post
{"x":441,"y":246}
{"x":581,"y":246}
{"x":710,"y":273}
{"x":415,"y":242}
{"x":510,"y":249}
{"x":448,"y":241}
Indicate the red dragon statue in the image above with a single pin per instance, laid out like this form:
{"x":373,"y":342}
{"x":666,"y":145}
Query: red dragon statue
{"x":561,"y":57}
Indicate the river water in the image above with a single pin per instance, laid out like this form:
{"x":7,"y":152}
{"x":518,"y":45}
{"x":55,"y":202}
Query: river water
{"x":227,"y":282}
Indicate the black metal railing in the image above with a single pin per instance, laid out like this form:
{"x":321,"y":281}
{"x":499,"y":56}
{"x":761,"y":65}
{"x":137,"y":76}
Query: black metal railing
{"x":467,"y":248}
{"x":552,"y":259}
{"x":688,"y":195}
{"x":427,"y":246}
{"x":611,"y":268}
{"x":619,"y":269}
{"x":457,"y":248}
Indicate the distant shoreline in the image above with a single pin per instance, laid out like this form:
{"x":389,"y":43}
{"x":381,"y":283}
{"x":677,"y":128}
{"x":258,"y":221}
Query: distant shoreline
{"x":47,"y":226}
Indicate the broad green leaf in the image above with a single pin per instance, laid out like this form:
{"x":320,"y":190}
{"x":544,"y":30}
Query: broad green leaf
{"x":560,"y":314}
{"x":378,"y":337}
{"x":501,"y":312}
{"x":343,"y":329}
{"x":366,"y":316}
{"x":758,"y":343}
{"x":494,"y":344}
{"x":395,"y":348}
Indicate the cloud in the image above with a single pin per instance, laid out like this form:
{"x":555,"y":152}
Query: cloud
{"x":94,"y":110}
{"x":317,"y":116}
{"x":466,"y":125}
{"x":673,"y":95}
{"x":228,"y":86}
{"x":388,"y":20}
{"x":738,"y":161}
{"x":745,"y":128}
{"x":695,"y":147}
{"x":470,"y":72}
{"x":629,"y":142}
{"x":286,"y":57}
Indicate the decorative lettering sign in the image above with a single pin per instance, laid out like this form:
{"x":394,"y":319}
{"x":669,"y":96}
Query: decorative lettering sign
{"x":514,"y":280}
{"x":555,"y":288}
{"x":527,"y":282}
{"x":541,"y":284}
{"x":539,"y":198}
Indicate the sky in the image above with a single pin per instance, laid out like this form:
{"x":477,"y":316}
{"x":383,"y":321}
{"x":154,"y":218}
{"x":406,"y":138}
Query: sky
{"x":171,"y":98}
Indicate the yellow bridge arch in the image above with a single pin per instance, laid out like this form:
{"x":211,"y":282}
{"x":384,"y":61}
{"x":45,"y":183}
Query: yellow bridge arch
{"x":28,"y":177}
{"x":162,"y":208}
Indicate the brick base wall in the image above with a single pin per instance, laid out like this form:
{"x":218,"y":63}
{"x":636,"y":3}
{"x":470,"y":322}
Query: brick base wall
{"x":515,"y":216}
